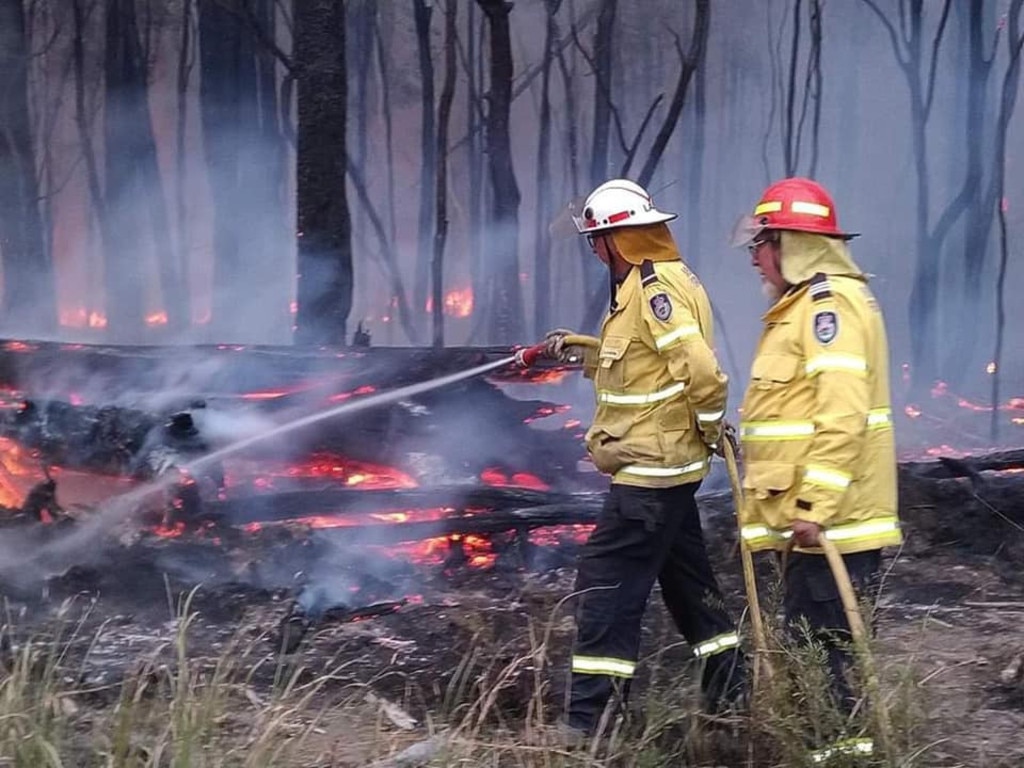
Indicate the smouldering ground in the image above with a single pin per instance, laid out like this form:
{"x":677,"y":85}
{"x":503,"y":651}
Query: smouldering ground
{"x":480,"y":653}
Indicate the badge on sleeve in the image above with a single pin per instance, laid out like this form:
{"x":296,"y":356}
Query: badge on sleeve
{"x":826,"y":327}
{"x":661,"y":306}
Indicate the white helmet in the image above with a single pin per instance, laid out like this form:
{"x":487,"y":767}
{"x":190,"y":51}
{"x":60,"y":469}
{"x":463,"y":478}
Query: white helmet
{"x":618,"y":203}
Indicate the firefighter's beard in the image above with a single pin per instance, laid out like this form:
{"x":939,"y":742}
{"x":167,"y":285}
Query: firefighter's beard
{"x":771,"y":292}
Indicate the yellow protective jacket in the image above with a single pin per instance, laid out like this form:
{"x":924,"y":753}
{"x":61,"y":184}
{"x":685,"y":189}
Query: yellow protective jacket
{"x":817,"y":428}
{"x":660,"y":392}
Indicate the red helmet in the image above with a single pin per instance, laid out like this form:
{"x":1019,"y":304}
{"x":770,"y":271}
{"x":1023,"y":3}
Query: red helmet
{"x":795,"y":204}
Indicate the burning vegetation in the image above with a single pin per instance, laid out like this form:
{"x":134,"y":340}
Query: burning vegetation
{"x":432,"y":533}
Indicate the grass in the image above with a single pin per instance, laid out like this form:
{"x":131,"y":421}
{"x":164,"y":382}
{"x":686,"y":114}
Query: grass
{"x":495,"y":708}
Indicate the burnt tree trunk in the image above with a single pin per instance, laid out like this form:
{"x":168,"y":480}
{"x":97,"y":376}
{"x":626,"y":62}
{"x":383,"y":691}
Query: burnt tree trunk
{"x":428,"y":148}
{"x":444,"y":113}
{"x":364,"y":25}
{"x":244,"y":150}
{"x":595,"y":284}
{"x":505,"y":294}
{"x":324,"y":228}
{"x":129,"y":151}
{"x":184,"y":71}
{"x":541,"y":238}
{"x":29,"y":296}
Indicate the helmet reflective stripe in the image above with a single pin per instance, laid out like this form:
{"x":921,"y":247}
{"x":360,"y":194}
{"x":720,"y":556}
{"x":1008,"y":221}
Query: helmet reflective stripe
{"x":653,"y":397}
{"x":847,"y":747}
{"x":717,"y":645}
{"x":710,"y":416}
{"x":681,"y":332}
{"x":769,"y":207}
{"x":830,"y":478}
{"x":836,"y":362}
{"x":603,"y":665}
{"x":633,"y":469}
{"x":775,"y":430}
{"x":813,"y":209}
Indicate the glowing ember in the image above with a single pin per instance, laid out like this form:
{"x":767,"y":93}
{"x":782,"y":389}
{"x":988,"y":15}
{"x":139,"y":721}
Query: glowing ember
{"x":156,"y":318}
{"x":97,"y":320}
{"x":547,"y":410}
{"x":496,"y":477}
{"x":19,"y":346}
{"x":556,"y":535}
{"x":342,"y":396}
{"x":912,"y":411}
{"x":349,"y":472}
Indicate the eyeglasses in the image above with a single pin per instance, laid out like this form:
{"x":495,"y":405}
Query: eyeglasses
{"x":752,"y":248}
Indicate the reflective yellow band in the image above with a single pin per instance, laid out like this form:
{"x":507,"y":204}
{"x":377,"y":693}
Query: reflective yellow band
{"x":830,"y":478}
{"x":710,"y":415}
{"x":681,"y":332}
{"x":836,"y":361}
{"x":815,"y":209}
{"x":845,"y":534}
{"x":717,"y":645}
{"x":847,"y":747}
{"x":879,"y":418}
{"x":864,"y":530}
{"x":771,"y":206}
{"x":633,"y":469}
{"x":775,"y":430}
{"x":602,"y":665}
{"x":653,"y":397}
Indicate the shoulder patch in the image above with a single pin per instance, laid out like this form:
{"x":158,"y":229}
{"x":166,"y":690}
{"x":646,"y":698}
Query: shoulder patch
{"x":826,"y":327}
{"x":661,"y":306}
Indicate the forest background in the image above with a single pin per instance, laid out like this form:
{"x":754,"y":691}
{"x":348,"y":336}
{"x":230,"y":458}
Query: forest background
{"x":275,"y":171}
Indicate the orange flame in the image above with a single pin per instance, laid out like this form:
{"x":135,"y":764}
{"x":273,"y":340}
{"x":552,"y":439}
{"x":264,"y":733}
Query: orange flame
{"x":156,"y":318}
{"x":456,"y":303}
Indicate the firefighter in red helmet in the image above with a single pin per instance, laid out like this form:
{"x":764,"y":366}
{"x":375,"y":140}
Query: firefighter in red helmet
{"x":660,"y":403}
{"x":817,"y":429}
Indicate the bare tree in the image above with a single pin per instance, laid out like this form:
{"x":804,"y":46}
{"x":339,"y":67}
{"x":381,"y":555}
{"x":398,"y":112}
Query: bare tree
{"x":1008,"y":102}
{"x":505,"y":294}
{"x":907,"y":35}
{"x":29,"y":295}
{"x":324,"y":228}
{"x":134,"y":193}
{"x":541,"y":238}
{"x":184,"y":71}
{"x":423,"y":11}
{"x":444,"y":113}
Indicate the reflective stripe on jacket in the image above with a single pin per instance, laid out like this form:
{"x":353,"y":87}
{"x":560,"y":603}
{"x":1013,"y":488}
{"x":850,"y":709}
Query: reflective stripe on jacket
{"x":817,"y":428}
{"x":660,"y":392}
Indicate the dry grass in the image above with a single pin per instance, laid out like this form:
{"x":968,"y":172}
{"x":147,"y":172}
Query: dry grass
{"x":210,"y":713}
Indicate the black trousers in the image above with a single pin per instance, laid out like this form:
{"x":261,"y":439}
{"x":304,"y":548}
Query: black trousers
{"x":643,"y":534}
{"x":814,"y":611}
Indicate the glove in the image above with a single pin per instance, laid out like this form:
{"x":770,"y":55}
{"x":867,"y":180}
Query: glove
{"x":728,"y":433}
{"x":556,"y":349}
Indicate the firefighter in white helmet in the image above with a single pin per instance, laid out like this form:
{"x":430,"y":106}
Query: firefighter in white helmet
{"x":817,"y":430}
{"x":660,"y":403}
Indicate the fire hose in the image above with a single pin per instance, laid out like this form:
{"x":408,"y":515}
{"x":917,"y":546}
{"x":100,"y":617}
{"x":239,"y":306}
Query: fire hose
{"x":528,"y":356}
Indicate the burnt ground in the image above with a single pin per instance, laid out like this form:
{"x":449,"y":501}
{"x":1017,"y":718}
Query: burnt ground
{"x":949,"y":626}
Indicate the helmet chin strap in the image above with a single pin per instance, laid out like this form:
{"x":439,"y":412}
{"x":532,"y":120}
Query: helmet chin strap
{"x":613,"y":286}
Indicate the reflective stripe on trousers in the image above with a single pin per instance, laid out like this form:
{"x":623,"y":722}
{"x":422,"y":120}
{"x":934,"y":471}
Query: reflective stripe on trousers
{"x":717,"y":644}
{"x":845,"y":747}
{"x":603,"y":665}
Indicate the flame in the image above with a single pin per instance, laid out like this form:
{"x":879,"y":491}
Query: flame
{"x":156,"y":318}
{"x":546,"y":410}
{"x":991,"y":367}
{"x":20,"y":346}
{"x":366,"y":389}
{"x":349,"y":472}
{"x":97,"y":320}
{"x":456,"y":303}
{"x":496,"y":477}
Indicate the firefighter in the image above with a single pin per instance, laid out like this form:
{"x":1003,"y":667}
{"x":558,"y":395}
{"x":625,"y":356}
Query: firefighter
{"x":660,"y":406}
{"x":816,"y":429}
